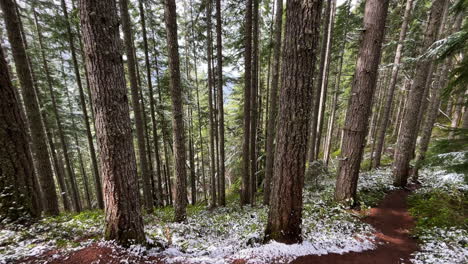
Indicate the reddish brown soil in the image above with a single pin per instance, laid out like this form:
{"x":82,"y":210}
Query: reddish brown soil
{"x":391,"y":219}
{"x":393,"y":222}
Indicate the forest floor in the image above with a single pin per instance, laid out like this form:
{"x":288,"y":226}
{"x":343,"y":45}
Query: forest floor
{"x":382,"y":231}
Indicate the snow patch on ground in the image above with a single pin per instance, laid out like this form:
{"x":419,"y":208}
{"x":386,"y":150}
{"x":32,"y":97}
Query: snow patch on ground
{"x":443,"y":246}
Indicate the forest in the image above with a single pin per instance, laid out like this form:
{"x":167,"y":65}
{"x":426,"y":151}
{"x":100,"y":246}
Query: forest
{"x":234,"y":131}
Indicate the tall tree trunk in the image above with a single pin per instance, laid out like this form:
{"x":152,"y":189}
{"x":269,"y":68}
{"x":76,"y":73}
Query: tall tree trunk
{"x":58,"y":172}
{"x":219,"y":56}
{"x":195,"y":63}
{"x":326,"y":70}
{"x":273,"y":108}
{"x":39,"y":140}
{"x":76,"y":198}
{"x":137,"y":110}
{"x":210,"y":105}
{"x":298,"y":61}
{"x":17,"y":171}
{"x":92,"y":151}
{"x":328,"y":141}
{"x":245,"y":186}
{"x":177,"y":112}
{"x":80,"y":157}
{"x":435,"y":101}
{"x":391,"y":89}
{"x":152,"y":105}
{"x":99,"y":21}
{"x":318,"y":89}
{"x":254,"y":103}
{"x":407,"y":136}
{"x":360,"y":102}
{"x":64,"y":146}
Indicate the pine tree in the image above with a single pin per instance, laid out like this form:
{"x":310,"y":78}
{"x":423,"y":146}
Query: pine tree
{"x":99,"y":22}
{"x":36,"y":126}
{"x":300,"y":42}
{"x":180,"y":202}
{"x":360,"y":102}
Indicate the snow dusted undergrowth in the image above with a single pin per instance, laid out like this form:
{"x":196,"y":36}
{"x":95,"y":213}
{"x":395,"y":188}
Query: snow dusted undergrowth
{"x":443,"y":245}
{"x":226,"y":234}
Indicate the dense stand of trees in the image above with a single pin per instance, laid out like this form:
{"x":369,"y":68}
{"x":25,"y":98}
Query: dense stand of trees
{"x":230,"y":99}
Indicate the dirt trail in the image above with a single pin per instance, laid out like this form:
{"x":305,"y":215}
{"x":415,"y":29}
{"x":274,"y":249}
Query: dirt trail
{"x":393,"y":222}
{"x":391,"y":219}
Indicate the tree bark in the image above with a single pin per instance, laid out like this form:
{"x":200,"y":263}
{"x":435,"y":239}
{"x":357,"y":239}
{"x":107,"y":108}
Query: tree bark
{"x":219,"y":56}
{"x":245,"y":186}
{"x":137,"y":110}
{"x":328,"y":141}
{"x":210,"y":105}
{"x":99,"y":21}
{"x":177,"y":112}
{"x":360,"y":102}
{"x":92,"y":151}
{"x":324,"y":84}
{"x":298,"y":59}
{"x":318,"y":90}
{"x":391,"y":89}
{"x":17,"y":170}
{"x":39,"y":141}
{"x":407,"y":136}
{"x":152,"y":105}
{"x":254,"y":103}
{"x":58,"y":171}
{"x":273,"y":108}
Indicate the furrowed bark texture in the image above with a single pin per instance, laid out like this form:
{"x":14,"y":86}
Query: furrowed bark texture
{"x":100,"y":25}
{"x":180,"y":202}
{"x":273,"y":108}
{"x":38,"y":136}
{"x":16,"y":164}
{"x":298,"y":59}
{"x":360,"y":102}
{"x":407,"y":136}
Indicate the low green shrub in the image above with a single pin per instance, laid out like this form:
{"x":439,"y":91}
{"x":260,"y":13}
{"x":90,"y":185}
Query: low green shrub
{"x":439,"y":209}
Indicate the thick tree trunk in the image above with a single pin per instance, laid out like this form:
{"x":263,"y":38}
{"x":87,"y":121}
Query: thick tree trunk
{"x":17,"y":170}
{"x":407,"y":136}
{"x":137,"y":110}
{"x":391,"y":89}
{"x":273,"y":108}
{"x":39,"y":140}
{"x":360,"y":102}
{"x":219,"y":56}
{"x":245,"y":186}
{"x":99,"y":21}
{"x":298,"y":59}
{"x":177,"y":112}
